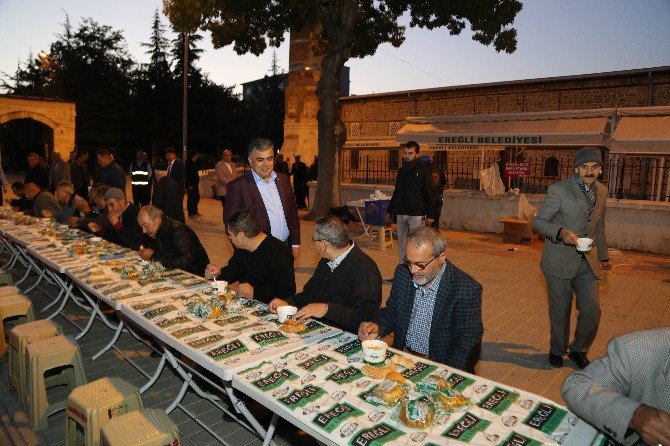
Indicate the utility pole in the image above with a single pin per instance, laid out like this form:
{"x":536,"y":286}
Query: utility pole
{"x":185,"y":108}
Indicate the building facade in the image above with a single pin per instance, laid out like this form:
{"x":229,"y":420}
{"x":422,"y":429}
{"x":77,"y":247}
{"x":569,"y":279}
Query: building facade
{"x":373,"y":123}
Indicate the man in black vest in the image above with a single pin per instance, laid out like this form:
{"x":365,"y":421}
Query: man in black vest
{"x":140,"y":178}
{"x":346,"y":288}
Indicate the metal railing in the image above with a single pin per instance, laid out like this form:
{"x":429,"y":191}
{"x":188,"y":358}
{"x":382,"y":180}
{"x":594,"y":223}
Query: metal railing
{"x":626,"y":177}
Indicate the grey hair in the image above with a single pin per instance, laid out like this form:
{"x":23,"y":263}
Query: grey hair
{"x":152,"y":212}
{"x":333,"y":230}
{"x":66,"y":186}
{"x":261,"y":145}
{"x":425,"y":235}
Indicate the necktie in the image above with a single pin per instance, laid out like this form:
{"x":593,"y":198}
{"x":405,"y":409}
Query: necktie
{"x":169,"y":169}
{"x":590,"y":196}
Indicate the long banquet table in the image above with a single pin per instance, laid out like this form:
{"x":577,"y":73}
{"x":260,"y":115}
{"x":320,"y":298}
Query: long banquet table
{"x":312,"y":378}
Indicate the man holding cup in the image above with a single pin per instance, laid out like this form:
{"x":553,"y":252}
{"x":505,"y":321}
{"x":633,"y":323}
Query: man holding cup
{"x":573,"y":211}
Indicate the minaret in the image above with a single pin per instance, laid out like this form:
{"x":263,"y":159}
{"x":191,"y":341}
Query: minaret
{"x":301,"y":104}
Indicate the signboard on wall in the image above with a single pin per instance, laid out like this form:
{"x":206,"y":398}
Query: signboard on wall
{"x":516,"y":170}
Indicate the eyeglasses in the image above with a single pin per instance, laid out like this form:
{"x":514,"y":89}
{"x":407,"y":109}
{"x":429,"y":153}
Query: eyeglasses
{"x":419,"y":265}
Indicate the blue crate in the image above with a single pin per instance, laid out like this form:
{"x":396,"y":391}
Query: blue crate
{"x":375,"y":212}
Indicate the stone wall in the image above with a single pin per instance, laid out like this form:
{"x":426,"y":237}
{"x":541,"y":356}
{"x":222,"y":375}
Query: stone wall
{"x":57,"y":115}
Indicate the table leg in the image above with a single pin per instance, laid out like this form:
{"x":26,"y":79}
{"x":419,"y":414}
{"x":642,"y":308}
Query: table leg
{"x":271,"y":430}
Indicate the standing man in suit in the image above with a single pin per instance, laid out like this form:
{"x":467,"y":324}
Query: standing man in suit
{"x":628,"y":389}
{"x":574,"y":208}
{"x":267,"y":194}
{"x":108,"y":171}
{"x":226,"y":171}
{"x":175,"y":171}
{"x":36,"y":173}
{"x":59,"y":171}
{"x":435,"y":309}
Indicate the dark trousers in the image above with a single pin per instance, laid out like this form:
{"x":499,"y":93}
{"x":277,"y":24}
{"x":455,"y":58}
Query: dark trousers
{"x":300,"y":196}
{"x":141,"y":195}
{"x":437,"y":211}
{"x":585,"y":288}
{"x":192,"y":200}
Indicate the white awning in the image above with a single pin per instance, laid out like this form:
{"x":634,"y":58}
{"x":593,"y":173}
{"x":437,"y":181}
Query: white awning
{"x":363,"y":144}
{"x":562,"y":128}
{"x":642,"y":131}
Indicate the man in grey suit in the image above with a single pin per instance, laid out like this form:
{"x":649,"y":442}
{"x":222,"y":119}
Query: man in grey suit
{"x":226,"y":171}
{"x":574,"y":208}
{"x":628,"y":389}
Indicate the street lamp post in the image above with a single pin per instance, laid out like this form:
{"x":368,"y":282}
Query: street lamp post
{"x":185,"y":108}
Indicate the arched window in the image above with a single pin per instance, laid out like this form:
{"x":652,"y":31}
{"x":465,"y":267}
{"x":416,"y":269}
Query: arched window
{"x":551,"y":167}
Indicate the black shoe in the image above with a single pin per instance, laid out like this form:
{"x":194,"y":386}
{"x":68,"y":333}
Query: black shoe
{"x":579,"y":358}
{"x":555,"y":360}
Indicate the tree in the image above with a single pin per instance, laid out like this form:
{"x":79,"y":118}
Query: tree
{"x":343,"y":29}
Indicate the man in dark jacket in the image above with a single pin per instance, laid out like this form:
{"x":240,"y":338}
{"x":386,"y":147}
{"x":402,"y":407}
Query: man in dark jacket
{"x":439,"y":183}
{"x":36,"y":173}
{"x":176,"y":245}
{"x":435,"y":309}
{"x":122,"y":216}
{"x":346,"y":288}
{"x":167,"y":195}
{"x":412,"y":197}
{"x":192,"y":180}
{"x":108,"y":171}
{"x":44,"y":202}
{"x":299,"y":174}
{"x":79,"y":174}
{"x":261,"y":264}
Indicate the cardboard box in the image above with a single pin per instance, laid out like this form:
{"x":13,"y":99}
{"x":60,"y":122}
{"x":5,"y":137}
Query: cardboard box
{"x":375,"y":212}
{"x":518,"y":231}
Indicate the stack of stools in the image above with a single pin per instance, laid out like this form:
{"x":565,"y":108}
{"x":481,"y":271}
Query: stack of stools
{"x":381,"y":237}
{"x":59,"y":357}
{"x":19,"y":338}
{"x":146,"y":427}
{"x":14,"y":306}
{"x":91,"y":407}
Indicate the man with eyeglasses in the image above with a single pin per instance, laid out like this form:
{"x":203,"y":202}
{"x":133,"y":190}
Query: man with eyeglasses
{"x":261,"y":264}
{"x":346,"y":287}
{"x":267,"y":194}
{"x":435,"y":309}
{"x":574,"y":208}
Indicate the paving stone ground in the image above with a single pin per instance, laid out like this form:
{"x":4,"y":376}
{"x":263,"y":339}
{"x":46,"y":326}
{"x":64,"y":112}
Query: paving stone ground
{"x":515,"y":315}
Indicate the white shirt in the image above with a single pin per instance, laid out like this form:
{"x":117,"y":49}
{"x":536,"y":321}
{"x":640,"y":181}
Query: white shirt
{"x":335,"y":263}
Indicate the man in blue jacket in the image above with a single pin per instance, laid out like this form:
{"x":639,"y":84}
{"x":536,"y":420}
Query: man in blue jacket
{"x":434,"y":309}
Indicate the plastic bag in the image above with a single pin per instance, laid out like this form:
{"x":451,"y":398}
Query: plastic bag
{"x":491,"y":181}
{"x":526,"y":210}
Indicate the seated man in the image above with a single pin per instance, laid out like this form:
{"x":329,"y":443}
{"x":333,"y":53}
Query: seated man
{"x":22,"y":203}
{"x":44,"y":202}
{"x":627,"y":392}
{"x":122,"y":216}
{"x":96,"y":210}
{"x":434,"y":308}
{"x":71,"y":204}
{"x":346,"y":288}
{"x":176,"y":245}
{"x":166,"y":195}
{"x":261,"y":264}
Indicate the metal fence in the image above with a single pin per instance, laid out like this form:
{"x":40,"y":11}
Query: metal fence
{"x":626,"y":177}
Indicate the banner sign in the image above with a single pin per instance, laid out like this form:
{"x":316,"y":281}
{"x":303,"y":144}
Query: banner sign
{"x":515,"y":170}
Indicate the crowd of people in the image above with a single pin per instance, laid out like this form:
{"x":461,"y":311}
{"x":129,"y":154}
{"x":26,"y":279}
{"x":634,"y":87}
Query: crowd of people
{"x":434,"y":309}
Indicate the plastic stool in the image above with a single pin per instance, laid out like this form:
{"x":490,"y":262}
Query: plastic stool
{"x":14,"y":306}
{"x":146,"y":427}
{"x":91,"y":406}
{"x":8,"y":290}
{"x":57,"y":353}
{"x":19,"y":338}
{"x":382,"y":237}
